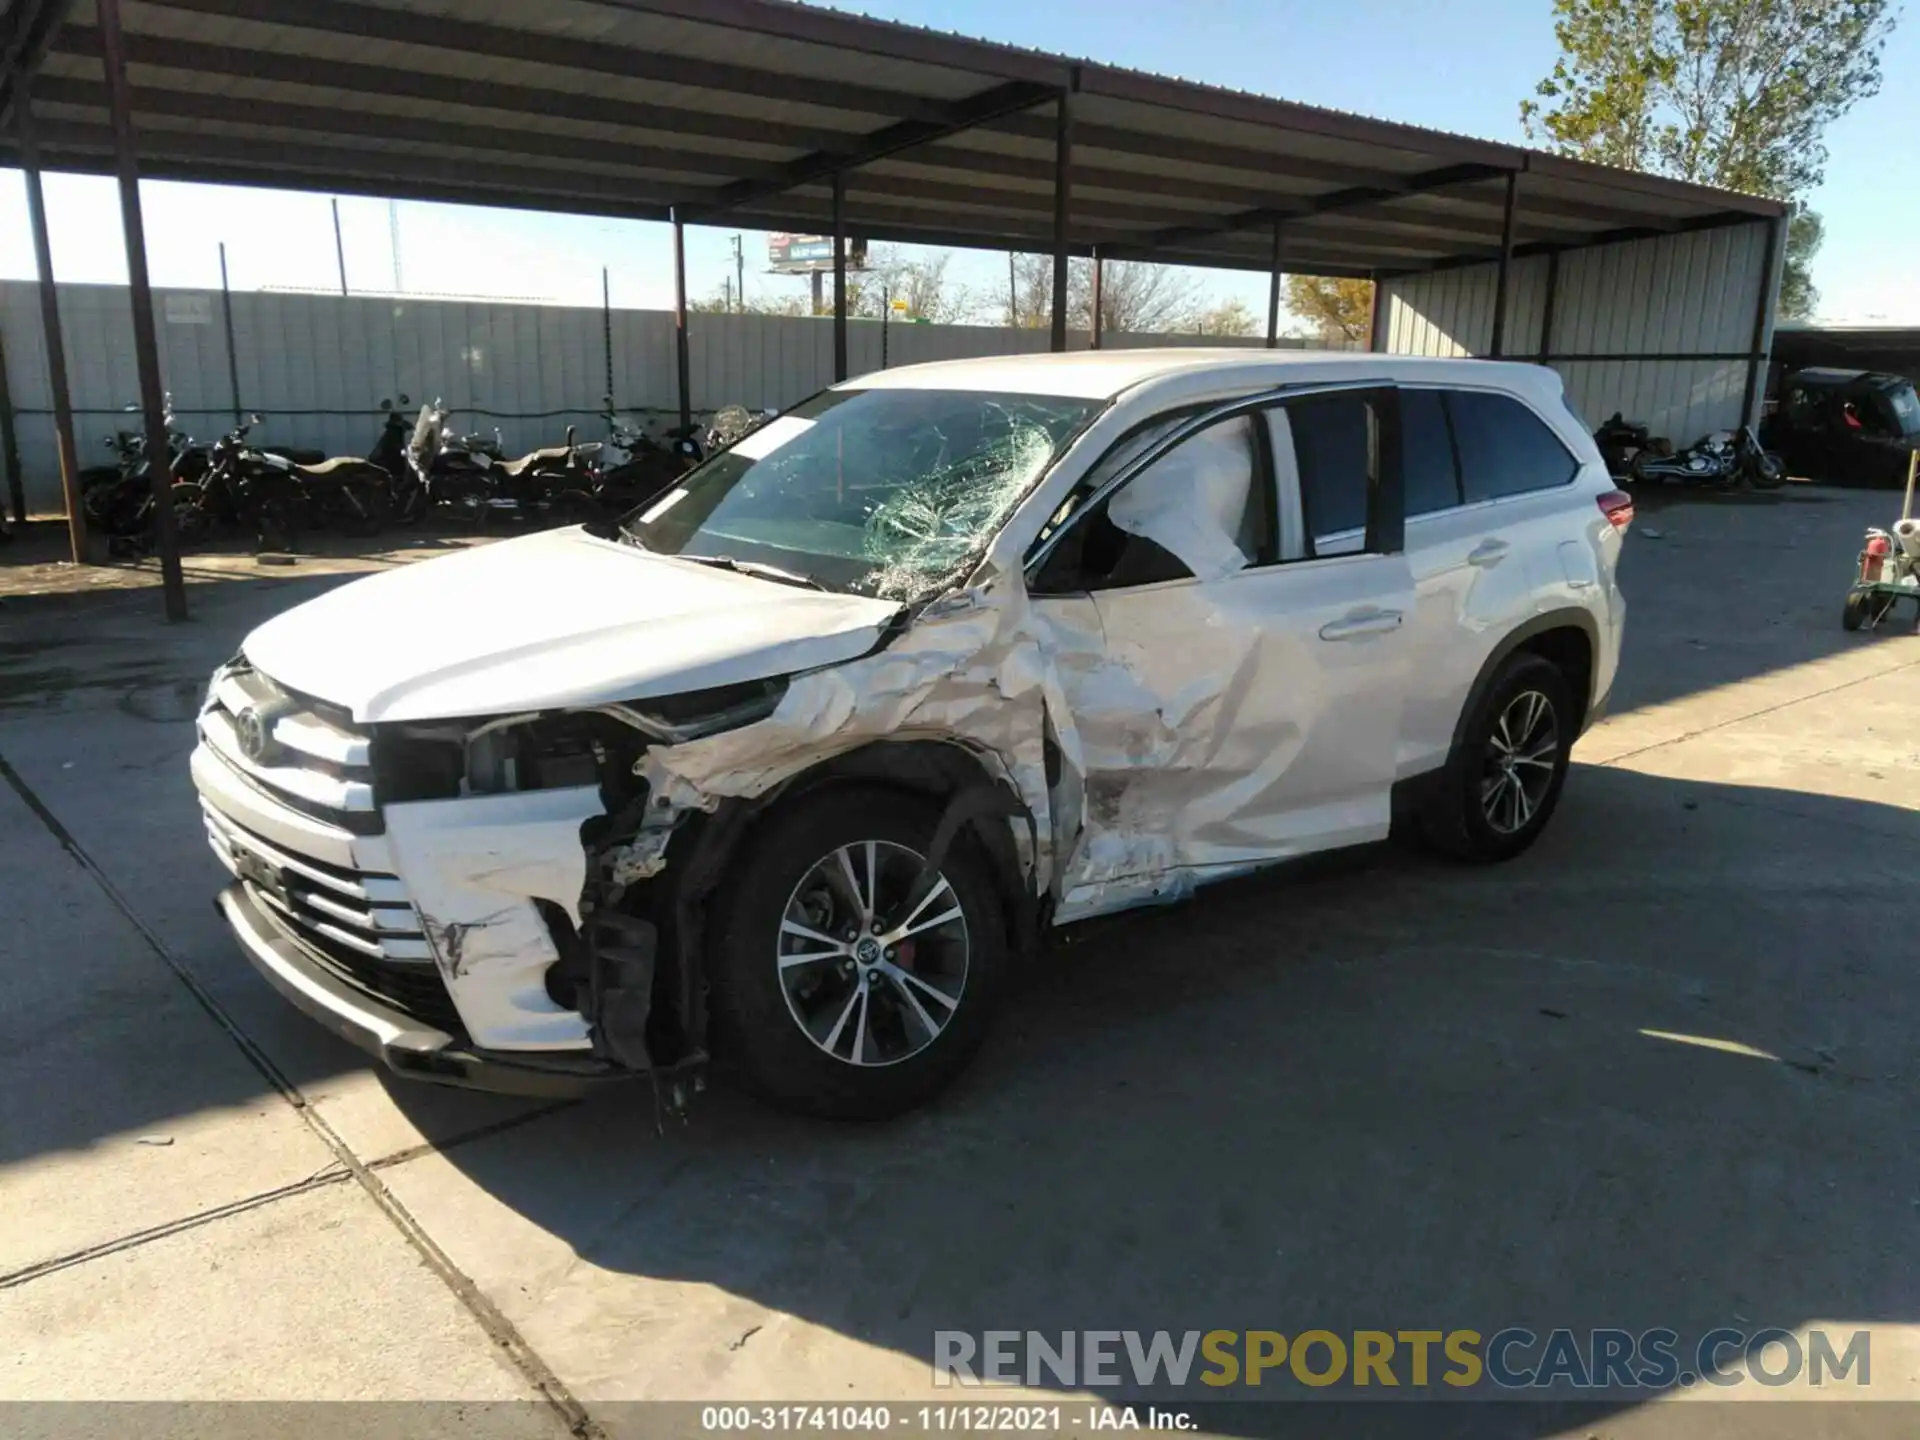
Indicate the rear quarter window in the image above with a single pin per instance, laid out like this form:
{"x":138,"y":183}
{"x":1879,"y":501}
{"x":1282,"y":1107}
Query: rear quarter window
{"x":1505,"y":449}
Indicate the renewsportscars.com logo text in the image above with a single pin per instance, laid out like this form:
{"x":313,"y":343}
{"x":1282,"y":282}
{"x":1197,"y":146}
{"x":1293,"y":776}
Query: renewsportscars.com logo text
{"x":1514,"y":1359}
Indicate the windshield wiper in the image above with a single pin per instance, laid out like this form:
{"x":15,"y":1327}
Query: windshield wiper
{"x":756,"y":569}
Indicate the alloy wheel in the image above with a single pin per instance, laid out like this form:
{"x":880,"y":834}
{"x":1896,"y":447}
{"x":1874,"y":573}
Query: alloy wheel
{"x":1522,"y":752}
{"x":872,"y":953}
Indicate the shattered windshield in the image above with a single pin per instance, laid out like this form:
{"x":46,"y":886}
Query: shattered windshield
{"x":880,"y":492}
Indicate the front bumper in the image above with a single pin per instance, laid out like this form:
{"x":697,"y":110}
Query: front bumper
{"x":404,"y":1044}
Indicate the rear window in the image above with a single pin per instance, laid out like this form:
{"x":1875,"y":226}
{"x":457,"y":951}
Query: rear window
{"x":1505,"y":449}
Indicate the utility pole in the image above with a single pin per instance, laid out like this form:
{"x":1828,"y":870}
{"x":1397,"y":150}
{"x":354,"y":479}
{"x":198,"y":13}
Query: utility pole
{"x":740,"y":272}
{"x":393,"y":232}
{"x":1013,"y":297}
{"x":339,"y":246}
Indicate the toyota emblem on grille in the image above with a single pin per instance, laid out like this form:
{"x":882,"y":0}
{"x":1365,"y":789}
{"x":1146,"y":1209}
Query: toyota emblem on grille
{"x":253,"y":728}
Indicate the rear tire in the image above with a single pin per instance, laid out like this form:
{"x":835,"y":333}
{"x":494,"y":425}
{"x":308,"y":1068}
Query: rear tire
{"x":793,"y":1025}
{"x":1500,"y":789}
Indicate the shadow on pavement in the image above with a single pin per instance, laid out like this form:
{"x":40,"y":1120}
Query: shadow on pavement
{"x":1393,"y":1094}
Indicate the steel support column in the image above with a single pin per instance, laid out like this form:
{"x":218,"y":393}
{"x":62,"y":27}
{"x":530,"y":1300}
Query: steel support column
{"x":10,"y":444}
{"x":1547,"y":304}
{"x":1062,"y":211}
{"x":1379,"y":317}
{"x":226,"y":322}
{"x":1099,"y":284}
{"x":839,"y":276}
{"x":146,"y":344}
{"x":1498,"y":346}
{"x":682,"y":360}
{"x":50,"y":324}
{"x":1776,"y":254}
{"x":1273,"y":290}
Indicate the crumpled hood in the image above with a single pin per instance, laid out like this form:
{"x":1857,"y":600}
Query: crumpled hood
{"x":548,"y":621}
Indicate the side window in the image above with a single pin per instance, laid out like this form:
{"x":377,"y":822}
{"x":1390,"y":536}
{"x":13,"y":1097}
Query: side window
{"x":1505,"y":449}
{"x":1198,"y":511}
{"x":1332,"y":460}
{"x":1427,"y":463}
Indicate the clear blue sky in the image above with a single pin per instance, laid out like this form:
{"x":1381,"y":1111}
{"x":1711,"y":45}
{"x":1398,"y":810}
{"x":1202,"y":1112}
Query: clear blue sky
{"x":1461,"y":66}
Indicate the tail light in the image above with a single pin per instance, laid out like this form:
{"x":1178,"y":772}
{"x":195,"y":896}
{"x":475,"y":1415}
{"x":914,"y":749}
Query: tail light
{"x":1617,"y":506}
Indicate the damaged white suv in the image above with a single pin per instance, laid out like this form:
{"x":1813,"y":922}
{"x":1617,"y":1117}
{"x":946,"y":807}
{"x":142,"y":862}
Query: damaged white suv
{"x":794,"y":763}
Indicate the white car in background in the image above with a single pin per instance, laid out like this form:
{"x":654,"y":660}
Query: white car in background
{"x":795,"y":763}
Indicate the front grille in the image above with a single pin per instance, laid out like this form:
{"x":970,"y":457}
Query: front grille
{"x":358,"y":925}
{"x":308,"y":756}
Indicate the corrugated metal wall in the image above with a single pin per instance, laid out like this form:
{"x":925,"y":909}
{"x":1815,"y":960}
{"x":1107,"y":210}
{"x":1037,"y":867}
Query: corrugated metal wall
{"x":317,"y":366}
{"x":1678,"y":295}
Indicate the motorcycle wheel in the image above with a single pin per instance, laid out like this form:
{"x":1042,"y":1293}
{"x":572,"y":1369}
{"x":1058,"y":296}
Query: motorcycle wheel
{"x":275,"y":524}
{"x":192,"y":519}
{"x":1768,"y":472}
{"x":364,"y":510}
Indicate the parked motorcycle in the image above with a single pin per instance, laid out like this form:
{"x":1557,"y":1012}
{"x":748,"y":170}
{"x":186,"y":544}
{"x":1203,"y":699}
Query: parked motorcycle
{"x":117,"y":499}
{"x":634,"y":468}
{"x":390,"y":450}
{"x":1622,"y":440}
{"x":277,"y":498}
{"x":1722,"y":459}
{"x":466,"y":475}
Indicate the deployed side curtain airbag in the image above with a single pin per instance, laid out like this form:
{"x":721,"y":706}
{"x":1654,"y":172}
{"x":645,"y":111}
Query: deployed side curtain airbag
{"x":1192,"y":502}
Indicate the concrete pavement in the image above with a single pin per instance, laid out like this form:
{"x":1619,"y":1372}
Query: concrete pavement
{"x":1657,"y":1072}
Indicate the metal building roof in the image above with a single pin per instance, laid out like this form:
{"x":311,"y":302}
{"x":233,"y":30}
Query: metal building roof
{"x":739,"y":112}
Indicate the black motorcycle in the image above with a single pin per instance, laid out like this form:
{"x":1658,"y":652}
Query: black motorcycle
{"x":1621,"y":441}
{"x":1723,"y":459}
{"x":277,"y":498}
{"x":635,"y":468}
{"x":117,"y":499}
{"x":466,"y":474}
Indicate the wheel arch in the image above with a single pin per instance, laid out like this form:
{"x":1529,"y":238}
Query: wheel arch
{"x":1569,"y":638}
{"x":951,"y":774}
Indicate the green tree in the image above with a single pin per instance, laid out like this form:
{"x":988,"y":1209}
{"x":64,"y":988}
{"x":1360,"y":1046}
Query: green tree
{"x":1135,"y":298}
{"x":1336,"y":309}
{"x":1735,"y":93}
{"x":1798,"y":294}
{"x":1227,"y":317}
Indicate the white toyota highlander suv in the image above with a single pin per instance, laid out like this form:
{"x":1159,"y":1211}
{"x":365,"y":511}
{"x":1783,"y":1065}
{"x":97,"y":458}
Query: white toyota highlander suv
{"x":791,"y":765}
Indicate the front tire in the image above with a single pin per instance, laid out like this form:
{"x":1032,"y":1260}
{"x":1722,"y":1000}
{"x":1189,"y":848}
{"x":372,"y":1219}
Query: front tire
{"x":1501,"y":788}
{"x":843,"y":984}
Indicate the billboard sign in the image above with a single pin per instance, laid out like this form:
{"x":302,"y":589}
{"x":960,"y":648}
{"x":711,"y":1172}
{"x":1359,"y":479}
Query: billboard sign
{"x":801,"y":254}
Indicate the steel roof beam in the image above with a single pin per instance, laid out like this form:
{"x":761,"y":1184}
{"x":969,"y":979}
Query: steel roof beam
{"x":1339,"y":201}
{"x":31,"y":28}
{"x":163,"y":52}
{"x":69,"y":140}
{"x":834,"y":160}
{"x":461,"y":35}
{"x":330,"y":123}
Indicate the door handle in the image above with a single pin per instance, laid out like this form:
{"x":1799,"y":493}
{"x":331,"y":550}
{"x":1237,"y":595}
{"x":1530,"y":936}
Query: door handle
{"x":1488,"y":553}
{"x":1360,"y":623}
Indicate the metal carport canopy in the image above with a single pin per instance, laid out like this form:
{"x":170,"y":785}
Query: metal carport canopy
{"x":742,"y":112}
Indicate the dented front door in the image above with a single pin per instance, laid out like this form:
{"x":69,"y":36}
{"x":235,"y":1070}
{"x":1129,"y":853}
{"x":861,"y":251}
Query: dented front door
{"x":1237,"y":703}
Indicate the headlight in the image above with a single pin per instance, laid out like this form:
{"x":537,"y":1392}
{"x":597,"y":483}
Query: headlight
{"x":555,"y":749}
